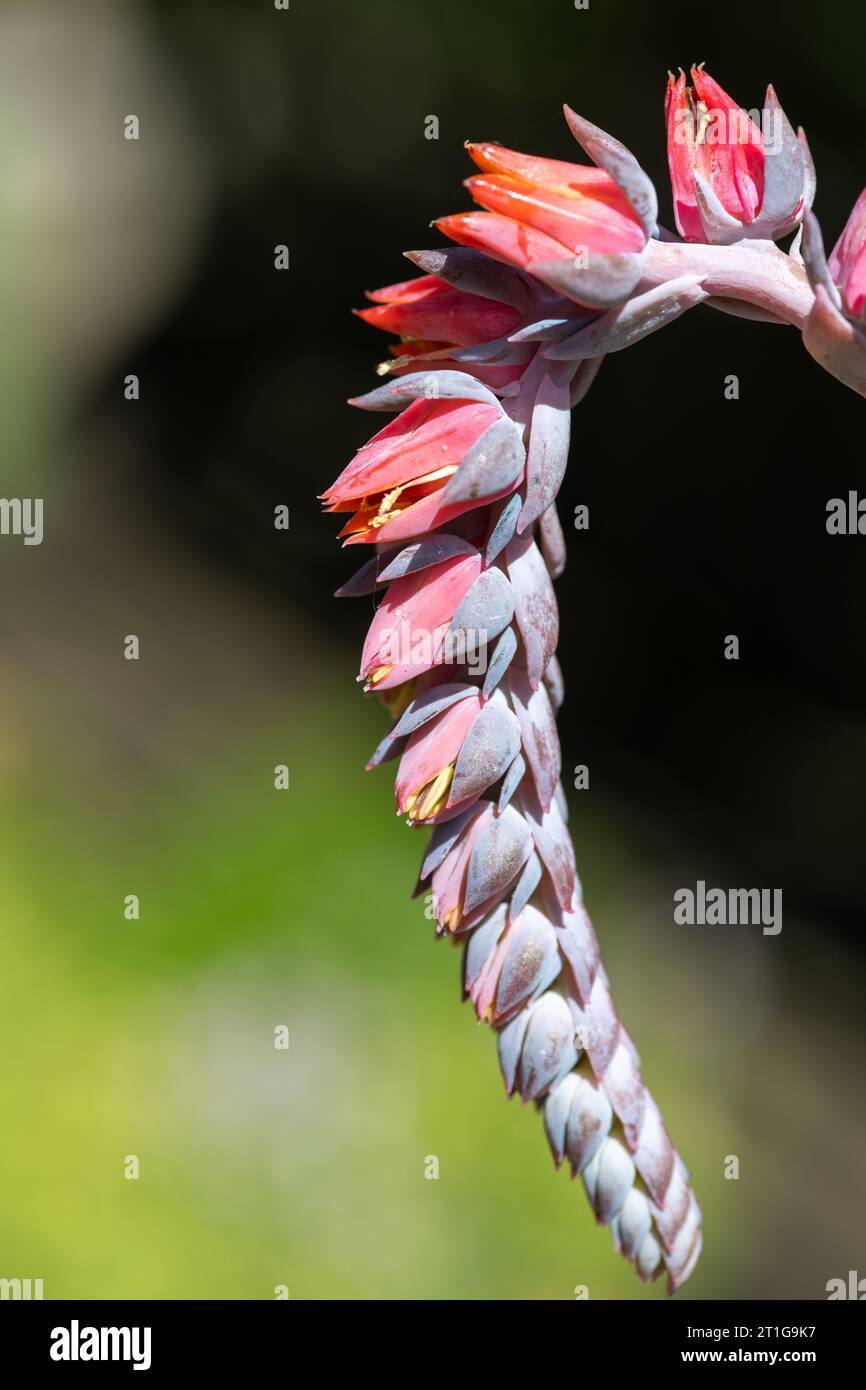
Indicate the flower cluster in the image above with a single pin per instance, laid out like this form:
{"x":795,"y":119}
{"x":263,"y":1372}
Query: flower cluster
{"x":498,"y":337}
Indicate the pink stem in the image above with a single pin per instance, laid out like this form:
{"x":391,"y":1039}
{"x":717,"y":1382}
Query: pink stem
{"x":757,"y":273}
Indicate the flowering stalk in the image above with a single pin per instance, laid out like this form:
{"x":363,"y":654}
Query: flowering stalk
{"x":500,"y":337}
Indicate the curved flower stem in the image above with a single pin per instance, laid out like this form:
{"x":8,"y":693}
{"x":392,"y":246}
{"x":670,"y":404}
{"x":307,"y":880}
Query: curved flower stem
{"x":756,"y":273}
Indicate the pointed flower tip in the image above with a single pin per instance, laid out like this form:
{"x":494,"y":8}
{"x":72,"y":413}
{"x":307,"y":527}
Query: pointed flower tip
{"x":573,"y":120}
{"x":445,"y":223}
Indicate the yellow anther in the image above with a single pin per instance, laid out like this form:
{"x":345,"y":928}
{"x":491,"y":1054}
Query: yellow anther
{"x":387,"y":510}
{"x":397,"y":700}
{"x":430,"y":800}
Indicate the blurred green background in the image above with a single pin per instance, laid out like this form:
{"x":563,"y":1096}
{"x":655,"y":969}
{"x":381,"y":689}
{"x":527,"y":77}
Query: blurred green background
{"x":261,"y":908}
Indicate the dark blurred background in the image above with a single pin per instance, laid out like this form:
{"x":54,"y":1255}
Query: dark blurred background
{"x":156,"y":257}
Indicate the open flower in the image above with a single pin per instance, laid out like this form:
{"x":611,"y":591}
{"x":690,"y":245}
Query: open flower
{"x":407,"y":635}
{"x":428,"y":763}
{"x":402,"y":483}
{"x":731,"y":179}
{"x":435,"y":321}
{"x":456,"y":754}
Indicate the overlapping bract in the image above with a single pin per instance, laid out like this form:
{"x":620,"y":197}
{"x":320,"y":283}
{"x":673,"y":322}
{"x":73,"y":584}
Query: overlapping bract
{"x":500,"y":337}
{"x":463,"y":648}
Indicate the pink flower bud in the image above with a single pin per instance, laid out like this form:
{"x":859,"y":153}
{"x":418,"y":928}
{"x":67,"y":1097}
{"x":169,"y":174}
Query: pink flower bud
{"x":730,"y":179}
{"x":429,"y":308}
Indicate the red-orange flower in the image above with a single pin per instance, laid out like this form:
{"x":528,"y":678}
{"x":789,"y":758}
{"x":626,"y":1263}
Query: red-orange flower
{"x":542,"y":210}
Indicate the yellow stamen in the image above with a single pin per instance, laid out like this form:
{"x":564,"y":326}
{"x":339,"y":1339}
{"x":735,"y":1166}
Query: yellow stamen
{"x":379,"y":674}
{"x":443,"y":472}
{"x":397,"y":700}
{"x":431,"y":800}
{"x":387,"y":510}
